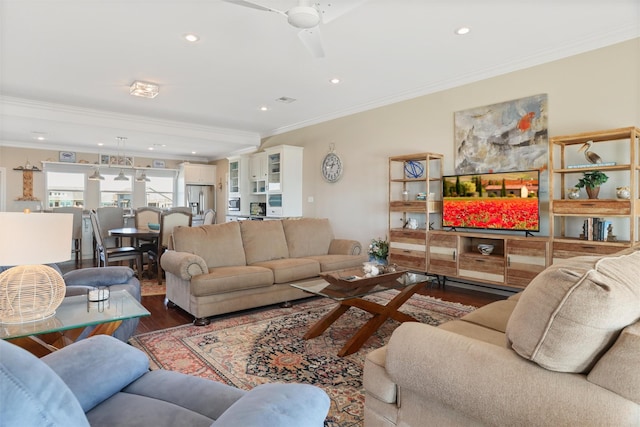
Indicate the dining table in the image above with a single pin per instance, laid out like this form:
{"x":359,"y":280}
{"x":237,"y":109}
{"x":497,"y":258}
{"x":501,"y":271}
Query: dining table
{"x":138,"y":234}
{"x":135,"y":233}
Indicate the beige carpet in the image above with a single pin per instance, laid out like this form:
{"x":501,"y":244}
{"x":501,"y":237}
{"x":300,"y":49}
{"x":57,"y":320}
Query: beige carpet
{"x":265,"y":345}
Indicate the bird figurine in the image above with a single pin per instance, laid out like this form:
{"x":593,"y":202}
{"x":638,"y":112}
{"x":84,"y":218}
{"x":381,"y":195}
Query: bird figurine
{"x":590,"y":155}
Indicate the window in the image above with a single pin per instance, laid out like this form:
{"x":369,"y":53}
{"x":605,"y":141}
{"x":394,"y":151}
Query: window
{"x":65,"y":189}
{"x":116,"y":193}
{"x":159,"y":191}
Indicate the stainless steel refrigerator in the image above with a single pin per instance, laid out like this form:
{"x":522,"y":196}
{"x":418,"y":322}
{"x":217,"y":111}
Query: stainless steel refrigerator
{"x":200,"y":198}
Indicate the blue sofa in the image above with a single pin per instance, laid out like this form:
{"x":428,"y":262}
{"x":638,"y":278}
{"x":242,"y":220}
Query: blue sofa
{"x":101,"y":381}
{"x":116,"y":278}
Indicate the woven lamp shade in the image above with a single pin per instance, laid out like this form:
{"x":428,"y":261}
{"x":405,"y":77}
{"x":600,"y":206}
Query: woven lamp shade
{"x":32,"y":292}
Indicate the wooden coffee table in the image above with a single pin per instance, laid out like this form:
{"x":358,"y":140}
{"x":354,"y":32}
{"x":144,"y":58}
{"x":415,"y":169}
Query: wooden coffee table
{"x":340,"y":287}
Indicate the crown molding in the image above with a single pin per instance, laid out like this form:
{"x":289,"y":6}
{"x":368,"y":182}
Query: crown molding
{"x":27,"y":108}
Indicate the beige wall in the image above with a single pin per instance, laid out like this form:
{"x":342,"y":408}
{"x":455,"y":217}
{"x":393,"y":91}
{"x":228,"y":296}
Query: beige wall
{"x":595,"y":90}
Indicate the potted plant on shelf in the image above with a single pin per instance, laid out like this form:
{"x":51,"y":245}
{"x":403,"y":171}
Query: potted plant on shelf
{"x":591,"y":181}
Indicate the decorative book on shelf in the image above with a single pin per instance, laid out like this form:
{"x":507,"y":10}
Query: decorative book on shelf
{"x":596,"y":229}
{"x":591,"y":165}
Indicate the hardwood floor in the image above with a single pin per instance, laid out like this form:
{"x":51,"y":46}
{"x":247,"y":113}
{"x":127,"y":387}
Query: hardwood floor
{"x":163,"y":317}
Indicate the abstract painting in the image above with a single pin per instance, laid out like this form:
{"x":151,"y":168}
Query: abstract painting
{"x":508,"y":136}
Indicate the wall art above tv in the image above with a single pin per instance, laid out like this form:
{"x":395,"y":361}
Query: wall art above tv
{"x":496,"y":201}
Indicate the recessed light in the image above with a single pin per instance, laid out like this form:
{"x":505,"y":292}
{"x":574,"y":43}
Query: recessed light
{"x":193,"y":152}
{"x":190,"y":37}
{"x":462,"y":31}
{"x":100,"y":144}
{"x":39,"y":136}
{"x":150,"y":148}
{"x":334,"y":81}
{"x":264,"y":108}
{"x":144,"y":89}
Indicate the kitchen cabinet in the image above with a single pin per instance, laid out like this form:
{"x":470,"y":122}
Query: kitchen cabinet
{"x":198,"y":174}
{"x":284,"y":181}
{"x":258,"y":173}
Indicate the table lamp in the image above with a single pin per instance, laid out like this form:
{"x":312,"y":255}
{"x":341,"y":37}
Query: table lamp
{"x":32,"y":291}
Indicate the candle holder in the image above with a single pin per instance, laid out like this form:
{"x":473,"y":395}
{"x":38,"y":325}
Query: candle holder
{"x":100,"y":293}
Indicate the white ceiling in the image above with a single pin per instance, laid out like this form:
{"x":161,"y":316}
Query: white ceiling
{"x":66,"y":65}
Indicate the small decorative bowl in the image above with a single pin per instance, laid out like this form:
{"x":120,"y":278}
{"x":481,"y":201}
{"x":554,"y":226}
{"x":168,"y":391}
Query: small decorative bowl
{"x":485,"y":249}
{"x":153,"y":226}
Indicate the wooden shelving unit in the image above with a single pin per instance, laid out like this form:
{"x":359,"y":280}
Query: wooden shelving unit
{"x":414,"y":202}
{"x":568,"y":216}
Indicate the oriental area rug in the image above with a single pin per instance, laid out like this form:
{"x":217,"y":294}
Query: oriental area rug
{"x":151,"y":287}
{"x":253,"y":347}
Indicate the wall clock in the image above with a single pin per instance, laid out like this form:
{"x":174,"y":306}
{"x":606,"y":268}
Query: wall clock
{"x":332,"y":167}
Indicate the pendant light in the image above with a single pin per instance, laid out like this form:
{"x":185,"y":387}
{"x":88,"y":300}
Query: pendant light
{"x":142,"y":177}
{"x":95,"y":176}
{"x":121,"y":176}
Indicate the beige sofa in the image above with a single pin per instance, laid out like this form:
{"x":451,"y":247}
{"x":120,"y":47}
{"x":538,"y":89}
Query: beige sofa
{"x":221,"y":268}
{"x":564,"y":352}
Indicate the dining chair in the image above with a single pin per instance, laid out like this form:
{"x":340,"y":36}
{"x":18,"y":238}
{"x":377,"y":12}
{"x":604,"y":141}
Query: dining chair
{"x":168,"y":221}
{"x":143,"y":217}
{"x":209,"y":217}
{"x":185,"y":209}
{"x":110,"y":217}
{"x":76,"y":234}
{"x":107,"y":255}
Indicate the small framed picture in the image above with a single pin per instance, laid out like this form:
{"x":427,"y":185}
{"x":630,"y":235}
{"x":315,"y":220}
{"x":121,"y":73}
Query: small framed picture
{"x":158,"y":163}
{"x":68,"y":156}
{"x":106,"y":159}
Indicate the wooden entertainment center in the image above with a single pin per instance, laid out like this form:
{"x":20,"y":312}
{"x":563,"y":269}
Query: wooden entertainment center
{"x":415,"y":244}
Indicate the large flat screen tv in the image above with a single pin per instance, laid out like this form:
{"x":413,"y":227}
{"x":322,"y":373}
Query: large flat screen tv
{"x":496,"y":201}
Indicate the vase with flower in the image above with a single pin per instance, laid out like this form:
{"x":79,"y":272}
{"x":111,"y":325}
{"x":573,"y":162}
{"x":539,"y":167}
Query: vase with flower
{"x":378,"y":251}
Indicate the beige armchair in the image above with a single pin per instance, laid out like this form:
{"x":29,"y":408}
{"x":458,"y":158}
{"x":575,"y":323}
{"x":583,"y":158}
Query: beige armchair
{"x":564,"y":352}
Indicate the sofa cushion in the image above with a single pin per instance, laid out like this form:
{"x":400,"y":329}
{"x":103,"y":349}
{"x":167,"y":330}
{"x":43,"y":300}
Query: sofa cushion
{"x":618,"y":369}
{"x":291,"y":269}
{"x":263,"y":241}
{"x":307,"y":236}
{"x":338,"y":262}
{"x":493,"y":316}
{"x":220,"y":245}
{"x":111,"y":364}
{"x":574,"y":310}
{"x":229,"y":279}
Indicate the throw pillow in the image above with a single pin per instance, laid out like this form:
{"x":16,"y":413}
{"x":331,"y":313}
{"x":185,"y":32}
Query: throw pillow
{"x":574,"y":310}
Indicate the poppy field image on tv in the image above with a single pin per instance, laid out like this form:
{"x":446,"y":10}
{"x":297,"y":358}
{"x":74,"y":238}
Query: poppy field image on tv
{"x":498,"y":201}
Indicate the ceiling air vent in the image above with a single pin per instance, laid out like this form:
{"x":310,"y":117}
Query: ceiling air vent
{"x":286,"y":100}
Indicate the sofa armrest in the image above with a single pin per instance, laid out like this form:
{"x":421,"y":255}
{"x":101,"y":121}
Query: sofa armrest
{"x":282,"y":405}
{"x":345,"y":247}
{"x":493,"y":384}
{"x":98,"y":367}
{"x":99,"y":276}
{"x":183,"y":264}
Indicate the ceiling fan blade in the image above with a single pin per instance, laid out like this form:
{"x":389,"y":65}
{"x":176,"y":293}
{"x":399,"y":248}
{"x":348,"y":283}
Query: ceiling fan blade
{"x":252,"y":5}
{"x":330,"y":10}
{"x":312,"y":40}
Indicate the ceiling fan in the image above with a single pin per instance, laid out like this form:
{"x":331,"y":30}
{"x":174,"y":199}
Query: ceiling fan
{"x":308,"y":15}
